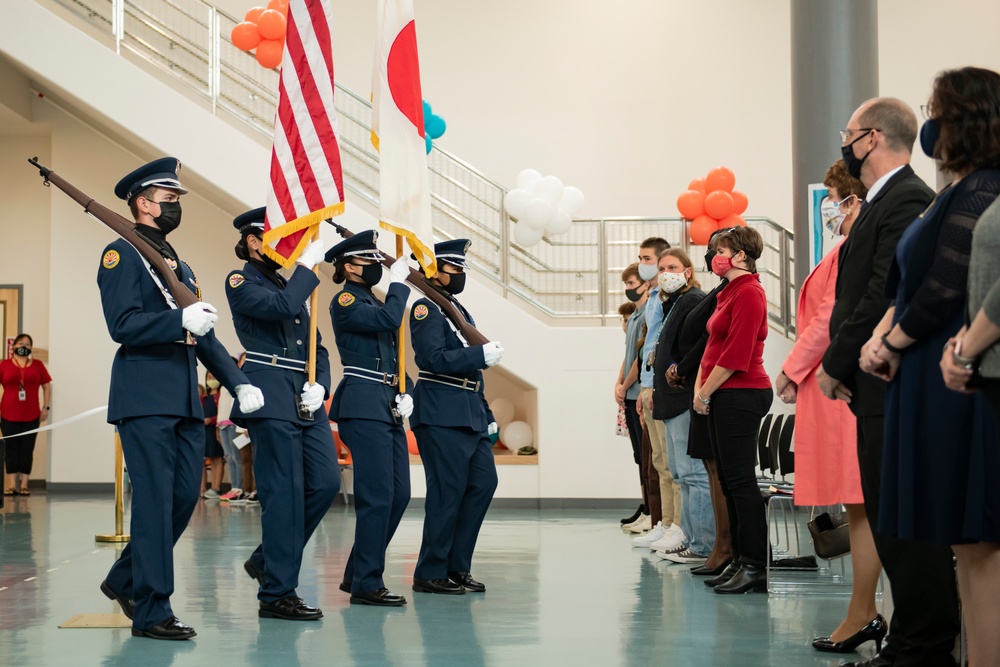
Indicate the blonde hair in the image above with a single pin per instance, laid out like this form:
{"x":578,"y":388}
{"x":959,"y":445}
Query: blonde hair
{"x":685,"y":259}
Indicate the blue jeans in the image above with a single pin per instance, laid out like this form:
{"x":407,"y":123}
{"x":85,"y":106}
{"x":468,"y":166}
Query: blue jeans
{"x":697,"y":519}
{"x":233,"y":459}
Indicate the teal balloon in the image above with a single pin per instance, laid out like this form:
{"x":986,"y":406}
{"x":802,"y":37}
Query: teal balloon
{"x":435,"y":126}
{"x":428,"y":142}
{"x":427,"y":111}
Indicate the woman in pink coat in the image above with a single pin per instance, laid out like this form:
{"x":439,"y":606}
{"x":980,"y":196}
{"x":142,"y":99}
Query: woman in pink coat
{"x":826,"y":457}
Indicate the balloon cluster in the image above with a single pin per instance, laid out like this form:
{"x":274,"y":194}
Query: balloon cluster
{"x":711,"y":203}
{"x":434,"y":126}
{"x":513,"y":434}
{"x":541,"y":205}
{"x":263,"y":28}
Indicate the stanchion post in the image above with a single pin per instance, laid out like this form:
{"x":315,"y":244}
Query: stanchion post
{"x":119,"y":535}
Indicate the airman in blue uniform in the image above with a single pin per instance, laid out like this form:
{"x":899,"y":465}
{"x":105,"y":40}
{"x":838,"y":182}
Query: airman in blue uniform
{"x":368,"y":409}
{"x":294,"y":456}
{"x":455,"y":431}
{"x":154,"y":397}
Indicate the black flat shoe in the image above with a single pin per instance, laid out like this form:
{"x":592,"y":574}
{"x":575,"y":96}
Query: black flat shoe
{"x":465,"y":580}
{"x":443,"y":586}
{"x":750,"y":578}
{"x":727,"y":573}
{"x":639,"y":512}
{"x":253,"y":572}
{"x":344,"y":587}
{"x":702,"y":571}
{"x":127,"y":604}
{"x":874,"y":631}
{"x":380,"y":597}
{"x":171,"y":629}
{"x":291,"y":608}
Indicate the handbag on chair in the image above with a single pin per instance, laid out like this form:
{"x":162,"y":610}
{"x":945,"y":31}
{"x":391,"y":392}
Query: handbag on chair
{"x":830,"y":535}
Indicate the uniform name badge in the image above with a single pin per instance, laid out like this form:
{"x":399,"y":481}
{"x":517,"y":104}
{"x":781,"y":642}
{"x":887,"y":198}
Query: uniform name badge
{"x":22,"y":395}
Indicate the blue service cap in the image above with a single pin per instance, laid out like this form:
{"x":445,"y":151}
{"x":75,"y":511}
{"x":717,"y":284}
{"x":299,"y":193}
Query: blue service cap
{"x":451,"y":252}
{"x":361,"y":245}
{"x":253,"y":218}
{"x":162,"y":173}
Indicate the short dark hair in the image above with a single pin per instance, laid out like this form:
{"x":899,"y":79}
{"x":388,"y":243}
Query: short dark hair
{"x":967,"y":102}
{"x":894,"y":119}
{"x":847,"y":185}
{"x":145,"y":193}
{"x":24,"y":335}
{"x":631,"y":271}
{"x":746,"y":239}
{"x":656,"y":243}
{"x":626,"y":309}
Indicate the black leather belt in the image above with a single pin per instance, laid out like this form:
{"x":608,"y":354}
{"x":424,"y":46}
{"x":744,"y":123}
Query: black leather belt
{"x":459,"y":383}
{"x":373,"y":376}
{"x":276,"y":361}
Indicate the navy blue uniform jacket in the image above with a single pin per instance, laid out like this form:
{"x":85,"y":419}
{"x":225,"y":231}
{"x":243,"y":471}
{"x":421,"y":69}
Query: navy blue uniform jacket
{"x":273,"y":320}
{"x":437,"y":349}
{"x":153,"y":374}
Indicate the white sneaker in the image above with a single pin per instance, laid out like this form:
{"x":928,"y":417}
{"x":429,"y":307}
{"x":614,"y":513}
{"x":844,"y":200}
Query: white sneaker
{"x":210,"y":494}
{"x":642,"y":525}
{"x":672,"y":538}
{"x":685,"y":556}
{"x":666,"y":555}
{"x":645,"y":540}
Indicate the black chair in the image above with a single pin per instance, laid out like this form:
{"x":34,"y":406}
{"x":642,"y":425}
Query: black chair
{"x":786,"y":459}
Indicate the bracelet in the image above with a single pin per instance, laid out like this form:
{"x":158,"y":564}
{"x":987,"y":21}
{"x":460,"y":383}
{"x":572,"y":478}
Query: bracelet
{"x":889,"y":346}
{"x":704,"y":400}
{"x":965,"y":362}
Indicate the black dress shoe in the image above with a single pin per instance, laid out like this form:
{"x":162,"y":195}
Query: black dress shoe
{"x":465,"y":580}
{"x":724,"y":576}
{"x":380,"y":597}
{"x":254,"y":573}
{"x":639,"y":512}
{"x":702,"y":571}
{"x":290,"y":608}
{"x":750,"y":578}
{"x":443,"y":586}
{"x":874,"y":631}
{"x":172,"y":628}
{"x":127,"y":604}
{"x":345,"y":587}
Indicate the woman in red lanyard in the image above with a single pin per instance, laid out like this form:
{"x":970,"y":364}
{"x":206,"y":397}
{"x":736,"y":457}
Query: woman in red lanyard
{"x":20,"y":411}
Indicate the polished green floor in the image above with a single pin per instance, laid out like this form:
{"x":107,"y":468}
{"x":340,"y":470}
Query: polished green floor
{"x":565,"y":588}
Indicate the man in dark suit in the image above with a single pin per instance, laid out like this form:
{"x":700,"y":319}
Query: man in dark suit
{"x":876,"y":148}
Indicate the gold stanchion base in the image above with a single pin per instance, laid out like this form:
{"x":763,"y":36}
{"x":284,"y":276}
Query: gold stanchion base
{"x":111,"y":538}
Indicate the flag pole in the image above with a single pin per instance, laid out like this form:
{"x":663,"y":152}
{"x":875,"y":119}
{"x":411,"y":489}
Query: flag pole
{"x":401,"y":338}
{"x":313,"y":307}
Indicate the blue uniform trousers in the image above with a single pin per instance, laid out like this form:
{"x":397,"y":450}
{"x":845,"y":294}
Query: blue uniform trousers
{"x":381,"y":494}
{"x":297,"y":477}
{"x":461,"y":480}
{"x":165,"y":456}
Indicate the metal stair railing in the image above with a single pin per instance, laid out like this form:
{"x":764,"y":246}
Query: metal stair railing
{"x":576,"y":275}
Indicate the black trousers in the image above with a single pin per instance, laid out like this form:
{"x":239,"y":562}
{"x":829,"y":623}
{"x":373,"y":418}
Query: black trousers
{"x":733,"y":423}
{"x":634,"y":423}
{"x":925,"y":619}
{"x":19,"y":451}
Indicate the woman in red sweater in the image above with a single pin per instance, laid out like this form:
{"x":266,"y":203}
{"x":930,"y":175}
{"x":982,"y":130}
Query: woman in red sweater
{"x":21,"y":376}
{"x":735,"y":392}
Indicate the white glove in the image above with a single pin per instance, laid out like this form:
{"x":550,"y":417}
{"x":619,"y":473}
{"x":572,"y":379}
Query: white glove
{"x":312,"y":255}
{"x":199,"y":318}
{"x":250,"y":397}
{"x":493,"y":428}
{"x":404,"y":405}
{"x":493,"y":353}
{"x":312,"y":396}
{"x":399,"y":271}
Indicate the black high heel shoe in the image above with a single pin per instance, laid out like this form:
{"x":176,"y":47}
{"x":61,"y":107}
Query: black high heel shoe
{"x":874,"y":631}
{"x":702,"y":571}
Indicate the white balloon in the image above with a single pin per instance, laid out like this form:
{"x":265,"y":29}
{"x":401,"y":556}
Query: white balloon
{"x":516,"y":435}
{"x":515,"y":202}
{"x":526,"y":236}
{"x":572,"y":200}
{"x":537,"y":213}
{"x":559,"y":223}
{"x":550,"y":189}
{"x":503,"y":411}
{"x":527,"y":178}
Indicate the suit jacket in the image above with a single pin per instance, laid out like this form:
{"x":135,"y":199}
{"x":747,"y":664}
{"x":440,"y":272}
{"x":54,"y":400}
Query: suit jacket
{"x":669,"y":402}
{"x":154,"y":372}
{"x":864,"y":261}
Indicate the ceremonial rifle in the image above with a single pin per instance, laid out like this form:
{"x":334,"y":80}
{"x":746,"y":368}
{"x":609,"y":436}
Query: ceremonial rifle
{"x":124,"y":228}
{"x":417,"y":279}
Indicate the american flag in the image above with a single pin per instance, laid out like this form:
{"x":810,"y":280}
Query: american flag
{"x":307,"y":184}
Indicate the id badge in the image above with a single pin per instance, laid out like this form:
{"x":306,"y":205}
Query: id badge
{"x":22,"y":395}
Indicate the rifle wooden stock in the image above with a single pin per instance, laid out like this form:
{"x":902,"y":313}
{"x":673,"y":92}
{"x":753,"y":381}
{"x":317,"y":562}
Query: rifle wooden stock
{"x":124,"y":228}
{"x":418,"y":280}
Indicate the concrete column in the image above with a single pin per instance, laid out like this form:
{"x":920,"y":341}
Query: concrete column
{"x":834,"y":70}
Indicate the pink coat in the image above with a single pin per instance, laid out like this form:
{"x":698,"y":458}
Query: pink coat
{"x":826,"y":451}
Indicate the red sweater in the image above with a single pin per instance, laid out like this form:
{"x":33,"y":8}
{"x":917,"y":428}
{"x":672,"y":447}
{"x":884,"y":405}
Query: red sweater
{"x":736,"y":333}
{"x":33,"y":375}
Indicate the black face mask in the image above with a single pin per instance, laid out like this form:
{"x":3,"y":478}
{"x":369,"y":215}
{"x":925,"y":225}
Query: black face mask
{"x":456,"y":284}
{"x":170,"y":216}
{"x":851,"y":161}
{"x":633,"y":294}
{"x":371,"y":274}
{"x":708,"y":259}
{"x":22,"y":351}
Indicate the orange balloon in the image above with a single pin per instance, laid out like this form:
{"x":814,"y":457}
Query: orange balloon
{"x":279,"y":5}
{"x":718,"y":204}
{"x":732,"y":220}
{"x":701,"y":229}
{"x":691,"y":204}
{"x":411,"y":443}
{"x":269,"y":53}
{"x":245,"y":36}
{"x":272,"y":24}
{"x":740,"y":202}
{"x":697,"y":184}
{"x":720,"y":178}
{"x":253,"y":13}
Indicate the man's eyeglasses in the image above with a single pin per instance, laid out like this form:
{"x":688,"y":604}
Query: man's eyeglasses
{"x":846,"y":134}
